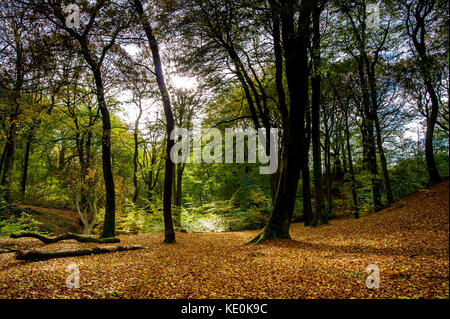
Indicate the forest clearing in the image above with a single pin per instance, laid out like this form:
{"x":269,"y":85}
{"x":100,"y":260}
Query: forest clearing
{"x":224,"y":149}
{"x":408,"y":241}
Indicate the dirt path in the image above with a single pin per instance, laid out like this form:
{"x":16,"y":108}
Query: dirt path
{"x":408,"y":242}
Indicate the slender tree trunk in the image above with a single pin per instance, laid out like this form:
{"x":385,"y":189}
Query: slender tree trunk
{"x":170,"y":123}
{"x":432,"y":169}
{"x":373,"y":95}
{"x":328,"y":173}
{"x":350,"y":167}
{"x":315,"y":114}
{"x":110,"y":206}
{"x":368,"y":139}
{"x":23,"y":181}
{"x":418,"y":38}
{"x":61,"y":158}
{"x":384,"y":169}
{"x":306,"y":178}
{"x":135,"y":165}
{"x":8,"y":163}
{"x":282,"y":107}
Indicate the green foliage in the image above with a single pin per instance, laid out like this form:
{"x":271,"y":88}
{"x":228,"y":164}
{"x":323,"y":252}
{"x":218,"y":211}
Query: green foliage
{"x":364,"y":188}
{"x":407,"y":177}
{"x":136,"y":220}
{"x":22,"y":223}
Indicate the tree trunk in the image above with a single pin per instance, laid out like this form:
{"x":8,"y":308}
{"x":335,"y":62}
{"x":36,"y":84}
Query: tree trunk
{"x":296,"y":59}
{"x":170,"y":123}
{"x":23,"y":181}
{"x":8,"y":164}
{"x":36,"y":255}
{"x":368,"y":139}
{"x":315,"y":114}
{"x":418,"y":39}
{"x":350,"y":167}
{"x":135,"y":166}
{"x":110,"y":206}
{"x":306,"y":178}
{"x":66,"y":236}
{"x":384,"y":169}
{"x":328,"y":172}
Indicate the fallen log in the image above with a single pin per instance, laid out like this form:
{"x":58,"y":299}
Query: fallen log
{"x":79,"y":238}
{"x":35,"y":255}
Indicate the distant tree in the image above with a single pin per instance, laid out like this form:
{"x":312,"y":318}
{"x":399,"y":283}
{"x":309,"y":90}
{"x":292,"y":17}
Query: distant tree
{"x":419,"y":17}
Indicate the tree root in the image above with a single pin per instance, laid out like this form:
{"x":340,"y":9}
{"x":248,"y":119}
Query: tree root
{"x":35,"y":255}
{"x":262,"y":237}
{"x":79,"y":238}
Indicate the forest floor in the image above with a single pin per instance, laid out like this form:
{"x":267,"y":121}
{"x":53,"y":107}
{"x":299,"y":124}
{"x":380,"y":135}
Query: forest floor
{"x":408,"y":241}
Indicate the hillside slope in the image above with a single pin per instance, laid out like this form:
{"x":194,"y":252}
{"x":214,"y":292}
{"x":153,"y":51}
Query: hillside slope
{"x":408,"y":242}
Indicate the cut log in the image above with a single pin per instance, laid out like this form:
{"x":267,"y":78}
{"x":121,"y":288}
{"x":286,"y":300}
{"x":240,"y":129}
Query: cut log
{"x":79,"y":238}
{"x":35,"y":255}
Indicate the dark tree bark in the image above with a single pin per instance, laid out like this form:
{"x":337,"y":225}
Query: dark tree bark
{"x":306,"y":178}
{"x":8,"y":163}
{"x":23,"y":180}
{"x":35,"y":255}
{"x":110,"y":206}
{"x":295,"y":44}
{"x":170,"y":123}
{"x":135,"y":155}
{"x":10,"y":145}
{"x":416,"y":31}
{"x":350,"y":167}
{"x":328,"y":170}
{"x":364,"y":67}
{"x":368,"y":139}
{"x":66,"y":236}
{"x":384,"y":169}
{"x":315,"y":114}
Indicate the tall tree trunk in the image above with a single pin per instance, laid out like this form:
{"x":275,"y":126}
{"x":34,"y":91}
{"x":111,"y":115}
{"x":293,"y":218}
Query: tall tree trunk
{"x":328,"y":172}
{"x":170,"y":123}
{"x":368,"y":139}
{"x":417,"y":35}
{"x":350,"y":167}
{"x":387,"y":180}
{"x":282,"y":107}
{"x":8,"y":162}
{"x":373,"y":96}
{"x":61,"y":158}
{"x":315,"y":114}
{"x":110,"y":206}
{"x":135,"y":164}
{"x":23,"y":181}
{"x":306,"y":179}
{"x":296,"y":59}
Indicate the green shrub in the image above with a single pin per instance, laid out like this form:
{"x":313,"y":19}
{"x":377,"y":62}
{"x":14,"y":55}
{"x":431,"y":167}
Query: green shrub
{"x":22,"y":223}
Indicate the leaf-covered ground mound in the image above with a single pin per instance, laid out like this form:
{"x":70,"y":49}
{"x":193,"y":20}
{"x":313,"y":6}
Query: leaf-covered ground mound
{"x":409,"y":242}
